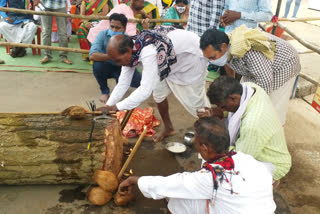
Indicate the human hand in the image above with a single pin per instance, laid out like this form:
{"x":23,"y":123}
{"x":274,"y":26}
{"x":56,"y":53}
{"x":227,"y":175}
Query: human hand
{"x":126,"y":186}
{"x":229,"y":17}
{"x":9,"y":20}
{"x":145,"y":24}
{"x":36,"y":2}
{"x":204,"y":112}
{"x":210,"y":112}
{"x":107,"y":108}
{"x":88,"y":25}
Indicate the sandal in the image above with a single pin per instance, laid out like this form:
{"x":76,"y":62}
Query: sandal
{"x":65,"y":60}
{"x":1,"y":61}
{"x":45,"y":60}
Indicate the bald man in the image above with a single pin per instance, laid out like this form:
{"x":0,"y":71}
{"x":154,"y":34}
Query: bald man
{"x":169,"y":64}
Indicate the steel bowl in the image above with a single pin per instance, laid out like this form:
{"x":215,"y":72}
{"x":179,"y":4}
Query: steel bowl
{"x":188,"y":138}
{"x":176,"y":147}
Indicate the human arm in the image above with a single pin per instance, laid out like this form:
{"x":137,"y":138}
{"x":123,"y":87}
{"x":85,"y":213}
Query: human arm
{"x":99,"y":57}
{"x":122,"y":86}
{"x":83,"y":8}
{"x":263,"y":14}
{"x":187,"y":185}
{"x":260,"y":69}
{"x":150,"y":73}
{"x":3,"y":3}
{"x":98,"y":50}
{"x":104,"y":11}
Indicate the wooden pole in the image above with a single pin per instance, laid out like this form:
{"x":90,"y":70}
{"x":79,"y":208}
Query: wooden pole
{"x":300,"y":19}
{"x":308,"y":78}
{"x":47,"y":13}
{"x":305,"y":52}
{"x":302,"y":41}
{"x":126,"y":119}
{"x":277,"y":15}
{"x":23,"y":45}
{"x":134,"y":150}
{"x":51,"y":113}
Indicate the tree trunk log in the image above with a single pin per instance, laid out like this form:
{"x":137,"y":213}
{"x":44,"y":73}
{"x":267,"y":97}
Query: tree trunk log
{"x":52,"y":149}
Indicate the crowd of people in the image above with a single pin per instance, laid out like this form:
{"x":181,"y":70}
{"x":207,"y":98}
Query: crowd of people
{"x":240,"y":117}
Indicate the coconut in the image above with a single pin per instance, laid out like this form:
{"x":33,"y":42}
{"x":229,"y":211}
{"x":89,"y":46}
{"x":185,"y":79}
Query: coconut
{"x":123,"y":200}
{"x":98,"y":196}
{"x":106,"y":180}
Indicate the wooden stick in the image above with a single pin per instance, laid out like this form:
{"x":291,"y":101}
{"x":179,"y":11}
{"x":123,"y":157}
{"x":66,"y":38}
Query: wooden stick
{"x":126,"y":119}
{"x":308,"y":78}
{"x":134,"y":150}
{"x":30,"y":66}
{"x":23,"y":45}
{"x":302,"y":41}
{"x":305,"y":52}
{"x":300,"y":19}
{"x":47,"y":13}
{"x":50,"y":113}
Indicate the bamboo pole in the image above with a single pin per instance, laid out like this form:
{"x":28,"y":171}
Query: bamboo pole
{"x":300,"y":19}
{"x":46,"y":113}
{"x":23,"y":45}
{"x":47,"y":13}
{"x":126,"y":119}
{"x":134,"y":150}
{"x":308,"y":78}
{"x":302,"y":41}
{"x":277,"y":15}
{"x":305,"y":52}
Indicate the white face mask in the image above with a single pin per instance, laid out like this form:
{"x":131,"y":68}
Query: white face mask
{"x":180,"y":9}
{"x":220,"y":61}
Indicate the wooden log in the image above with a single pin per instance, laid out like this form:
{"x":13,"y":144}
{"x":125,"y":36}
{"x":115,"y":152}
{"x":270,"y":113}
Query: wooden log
{"x":47,"y":13}
{"x":53,"y":48}
{"x":51,"y":149}
{"x":307,"y":44}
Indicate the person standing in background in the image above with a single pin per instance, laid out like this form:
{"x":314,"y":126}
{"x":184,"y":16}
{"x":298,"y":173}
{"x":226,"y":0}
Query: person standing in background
{"x":46,"y":21}
{"x":204,"y":14}
{"x":296,"y":8}
{"x":247,"y":12}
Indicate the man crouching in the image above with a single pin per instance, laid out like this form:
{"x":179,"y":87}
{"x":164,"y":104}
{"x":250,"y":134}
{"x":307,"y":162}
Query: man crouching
{"x":228,"y":182}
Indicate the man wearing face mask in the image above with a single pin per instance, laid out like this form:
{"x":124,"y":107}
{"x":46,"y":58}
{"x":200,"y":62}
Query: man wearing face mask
{"x":103,"y":68}
{"x":259,"y":57}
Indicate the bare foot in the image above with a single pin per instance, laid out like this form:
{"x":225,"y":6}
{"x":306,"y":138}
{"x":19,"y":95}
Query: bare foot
{"x":163,"y":134}
{"x":45,"y":60}
{"x":104,"y":98}
{"x":65,"y":60}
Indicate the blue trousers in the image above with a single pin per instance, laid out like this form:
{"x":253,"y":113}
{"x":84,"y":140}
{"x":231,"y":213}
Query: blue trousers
{"x":103,"y":71}
{"x":296,"y":8}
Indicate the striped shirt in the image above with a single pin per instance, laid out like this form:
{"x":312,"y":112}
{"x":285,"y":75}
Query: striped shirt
{"x":204,"y":14}
{"x":54,"y":4}
{"x":262,"y":135}
{"x":269,"y":75}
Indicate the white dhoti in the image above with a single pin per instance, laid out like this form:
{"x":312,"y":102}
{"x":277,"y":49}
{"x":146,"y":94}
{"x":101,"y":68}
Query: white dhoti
{"x":18,"y":33}
{"x":192,"y":96}
{"x":280,"y":98}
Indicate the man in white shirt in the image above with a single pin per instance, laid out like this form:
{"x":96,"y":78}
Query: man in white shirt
{"x":171,"y":61}
{"x":228,"y":182}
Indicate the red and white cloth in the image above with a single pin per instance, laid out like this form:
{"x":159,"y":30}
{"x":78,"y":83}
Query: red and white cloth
{"x":139,"y":119}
